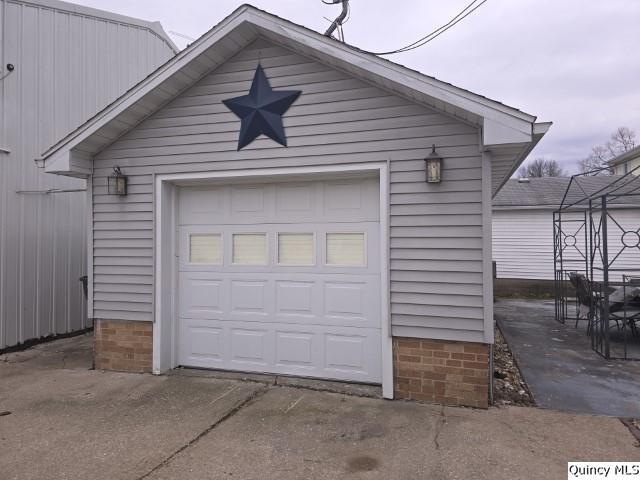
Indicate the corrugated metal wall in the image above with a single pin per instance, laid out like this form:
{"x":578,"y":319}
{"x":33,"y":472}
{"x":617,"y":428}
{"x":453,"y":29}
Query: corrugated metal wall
{"x":436,"y":230}
{"x":67,"y":67}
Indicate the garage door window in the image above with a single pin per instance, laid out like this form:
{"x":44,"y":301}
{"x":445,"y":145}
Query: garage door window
{"x":346,"y":249}
{"x":295,"y":249}
{"x":205,"y":249}
{"x":250,"y":248}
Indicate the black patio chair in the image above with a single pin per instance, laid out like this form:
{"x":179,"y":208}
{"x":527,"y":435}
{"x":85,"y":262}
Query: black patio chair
{"x":583,"y":296}
{"x":592,"y":299}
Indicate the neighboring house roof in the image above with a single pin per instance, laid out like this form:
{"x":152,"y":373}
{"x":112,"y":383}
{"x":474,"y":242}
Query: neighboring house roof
{"x":153,"y":27}
{"x":626,"y":156}
{"x":507,"y":133}
{"x":548,"y":192}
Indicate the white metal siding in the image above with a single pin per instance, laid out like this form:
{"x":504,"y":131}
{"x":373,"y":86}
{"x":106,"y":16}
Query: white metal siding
{"x":67,"y":67}
{"x":436,"y":230}
{"x":523,"y":243}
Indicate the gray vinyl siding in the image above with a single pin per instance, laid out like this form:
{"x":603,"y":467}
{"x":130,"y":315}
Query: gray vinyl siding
{"x":67,"y":67}
{"x":436,"y":230}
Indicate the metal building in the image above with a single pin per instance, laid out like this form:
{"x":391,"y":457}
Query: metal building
{"x":60,"y":64}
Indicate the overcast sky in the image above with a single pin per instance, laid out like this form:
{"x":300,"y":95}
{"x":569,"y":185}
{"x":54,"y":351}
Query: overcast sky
{"x":573,"y":62}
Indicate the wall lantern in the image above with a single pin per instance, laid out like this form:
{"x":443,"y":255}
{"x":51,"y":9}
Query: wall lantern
{"x":117,"y":183}
{"x":434,"y":166}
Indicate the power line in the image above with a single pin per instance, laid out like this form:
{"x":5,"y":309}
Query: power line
{"x":464,"y":13}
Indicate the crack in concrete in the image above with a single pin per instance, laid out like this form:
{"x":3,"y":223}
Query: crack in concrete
{"x":325,"y":389}
{"x":633,"y":429}
{"x":442,"y":421}
{"x":250,"y":399}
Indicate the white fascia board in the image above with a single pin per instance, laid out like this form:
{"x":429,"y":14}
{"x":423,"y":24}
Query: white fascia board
{"x":69,"y":163}
{"x":496,"y":133}
{"x":512,"y":121}
{"x":538,"y":131}
{"x":442,"y":91}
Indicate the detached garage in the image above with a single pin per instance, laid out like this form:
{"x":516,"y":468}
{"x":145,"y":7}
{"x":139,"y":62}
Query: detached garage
{"x":273,"y":200}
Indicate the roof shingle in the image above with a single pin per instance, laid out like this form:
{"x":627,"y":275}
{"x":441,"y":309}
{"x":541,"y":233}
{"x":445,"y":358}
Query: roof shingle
{"x":549,"y":191}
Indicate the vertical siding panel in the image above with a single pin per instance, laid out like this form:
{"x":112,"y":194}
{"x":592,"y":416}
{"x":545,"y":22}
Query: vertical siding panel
{"x":10,"y":266}
{"x":28,"y":204}
{"x":61,"y":78}
{"x":4,"y":164}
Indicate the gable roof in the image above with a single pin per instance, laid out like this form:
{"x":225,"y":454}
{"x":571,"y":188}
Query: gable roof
{"x":507,"y":133}
{"x":548,"y":192}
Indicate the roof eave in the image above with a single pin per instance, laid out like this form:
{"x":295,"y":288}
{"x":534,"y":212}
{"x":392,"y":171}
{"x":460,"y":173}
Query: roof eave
{"x":626,"y":156}
{"x":538,"y":130}
{"x":500,"y":124}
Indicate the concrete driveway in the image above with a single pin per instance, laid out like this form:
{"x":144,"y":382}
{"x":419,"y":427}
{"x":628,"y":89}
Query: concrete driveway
{"x":70,"y":422}
{"x":559,"y":366}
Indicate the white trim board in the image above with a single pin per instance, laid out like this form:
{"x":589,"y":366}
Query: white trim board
{"x":165,"y":291}
{"x":89,"y":248}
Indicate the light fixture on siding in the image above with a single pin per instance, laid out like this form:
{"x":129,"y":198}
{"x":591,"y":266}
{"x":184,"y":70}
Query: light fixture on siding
{"x":434,"y":166}
{"x":117,"y":182}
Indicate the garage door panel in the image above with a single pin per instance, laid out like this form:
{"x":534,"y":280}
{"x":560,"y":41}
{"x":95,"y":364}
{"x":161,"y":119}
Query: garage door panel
{"x":250,"y":296}
{"x":204,"y":343}
{"x":350,"y":200}
{"x":352,"y":301}
{"x":202,"y":296}
{"x":298,"y":202}
{"x":296,"y":298}
{"x":282,"y":278}
{"x":249,"y":347}
{"x":354,"y":200}
{"x":203,"y":206}
{"x":345,"y":353}
{"x":340,"y":353}
{"x":295,"y":349}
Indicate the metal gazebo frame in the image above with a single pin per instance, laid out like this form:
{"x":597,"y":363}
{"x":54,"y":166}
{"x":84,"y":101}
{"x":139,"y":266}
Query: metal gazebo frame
{"x":587,"y":269}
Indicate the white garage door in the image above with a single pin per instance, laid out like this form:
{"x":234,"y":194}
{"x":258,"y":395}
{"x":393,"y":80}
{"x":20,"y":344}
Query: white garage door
{"x":281,"y":278}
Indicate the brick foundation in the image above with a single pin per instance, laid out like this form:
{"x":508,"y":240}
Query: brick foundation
{"x":449,"y":373}
{"x":122,"y":345}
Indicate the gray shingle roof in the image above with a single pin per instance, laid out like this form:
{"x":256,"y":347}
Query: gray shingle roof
{"x":549,"y":191}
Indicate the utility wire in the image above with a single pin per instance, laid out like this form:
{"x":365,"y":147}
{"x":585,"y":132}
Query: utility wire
{"x":464,"y":13}
{"x":446,"y":25}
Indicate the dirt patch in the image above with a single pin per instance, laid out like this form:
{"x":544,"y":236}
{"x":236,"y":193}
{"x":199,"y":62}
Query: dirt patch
{"x":509,"y":388}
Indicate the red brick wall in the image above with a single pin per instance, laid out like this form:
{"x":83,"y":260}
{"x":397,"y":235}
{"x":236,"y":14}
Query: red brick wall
{"x":123,"y":346}
{"x":450,"y":373}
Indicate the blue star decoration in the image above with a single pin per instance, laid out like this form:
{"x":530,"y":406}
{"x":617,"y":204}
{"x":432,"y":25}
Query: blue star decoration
{"x":261,"y":111}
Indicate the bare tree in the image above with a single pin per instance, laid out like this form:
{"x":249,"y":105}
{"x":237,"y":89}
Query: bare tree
{"x":597,"y":162}
{"x":541,"y":167}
